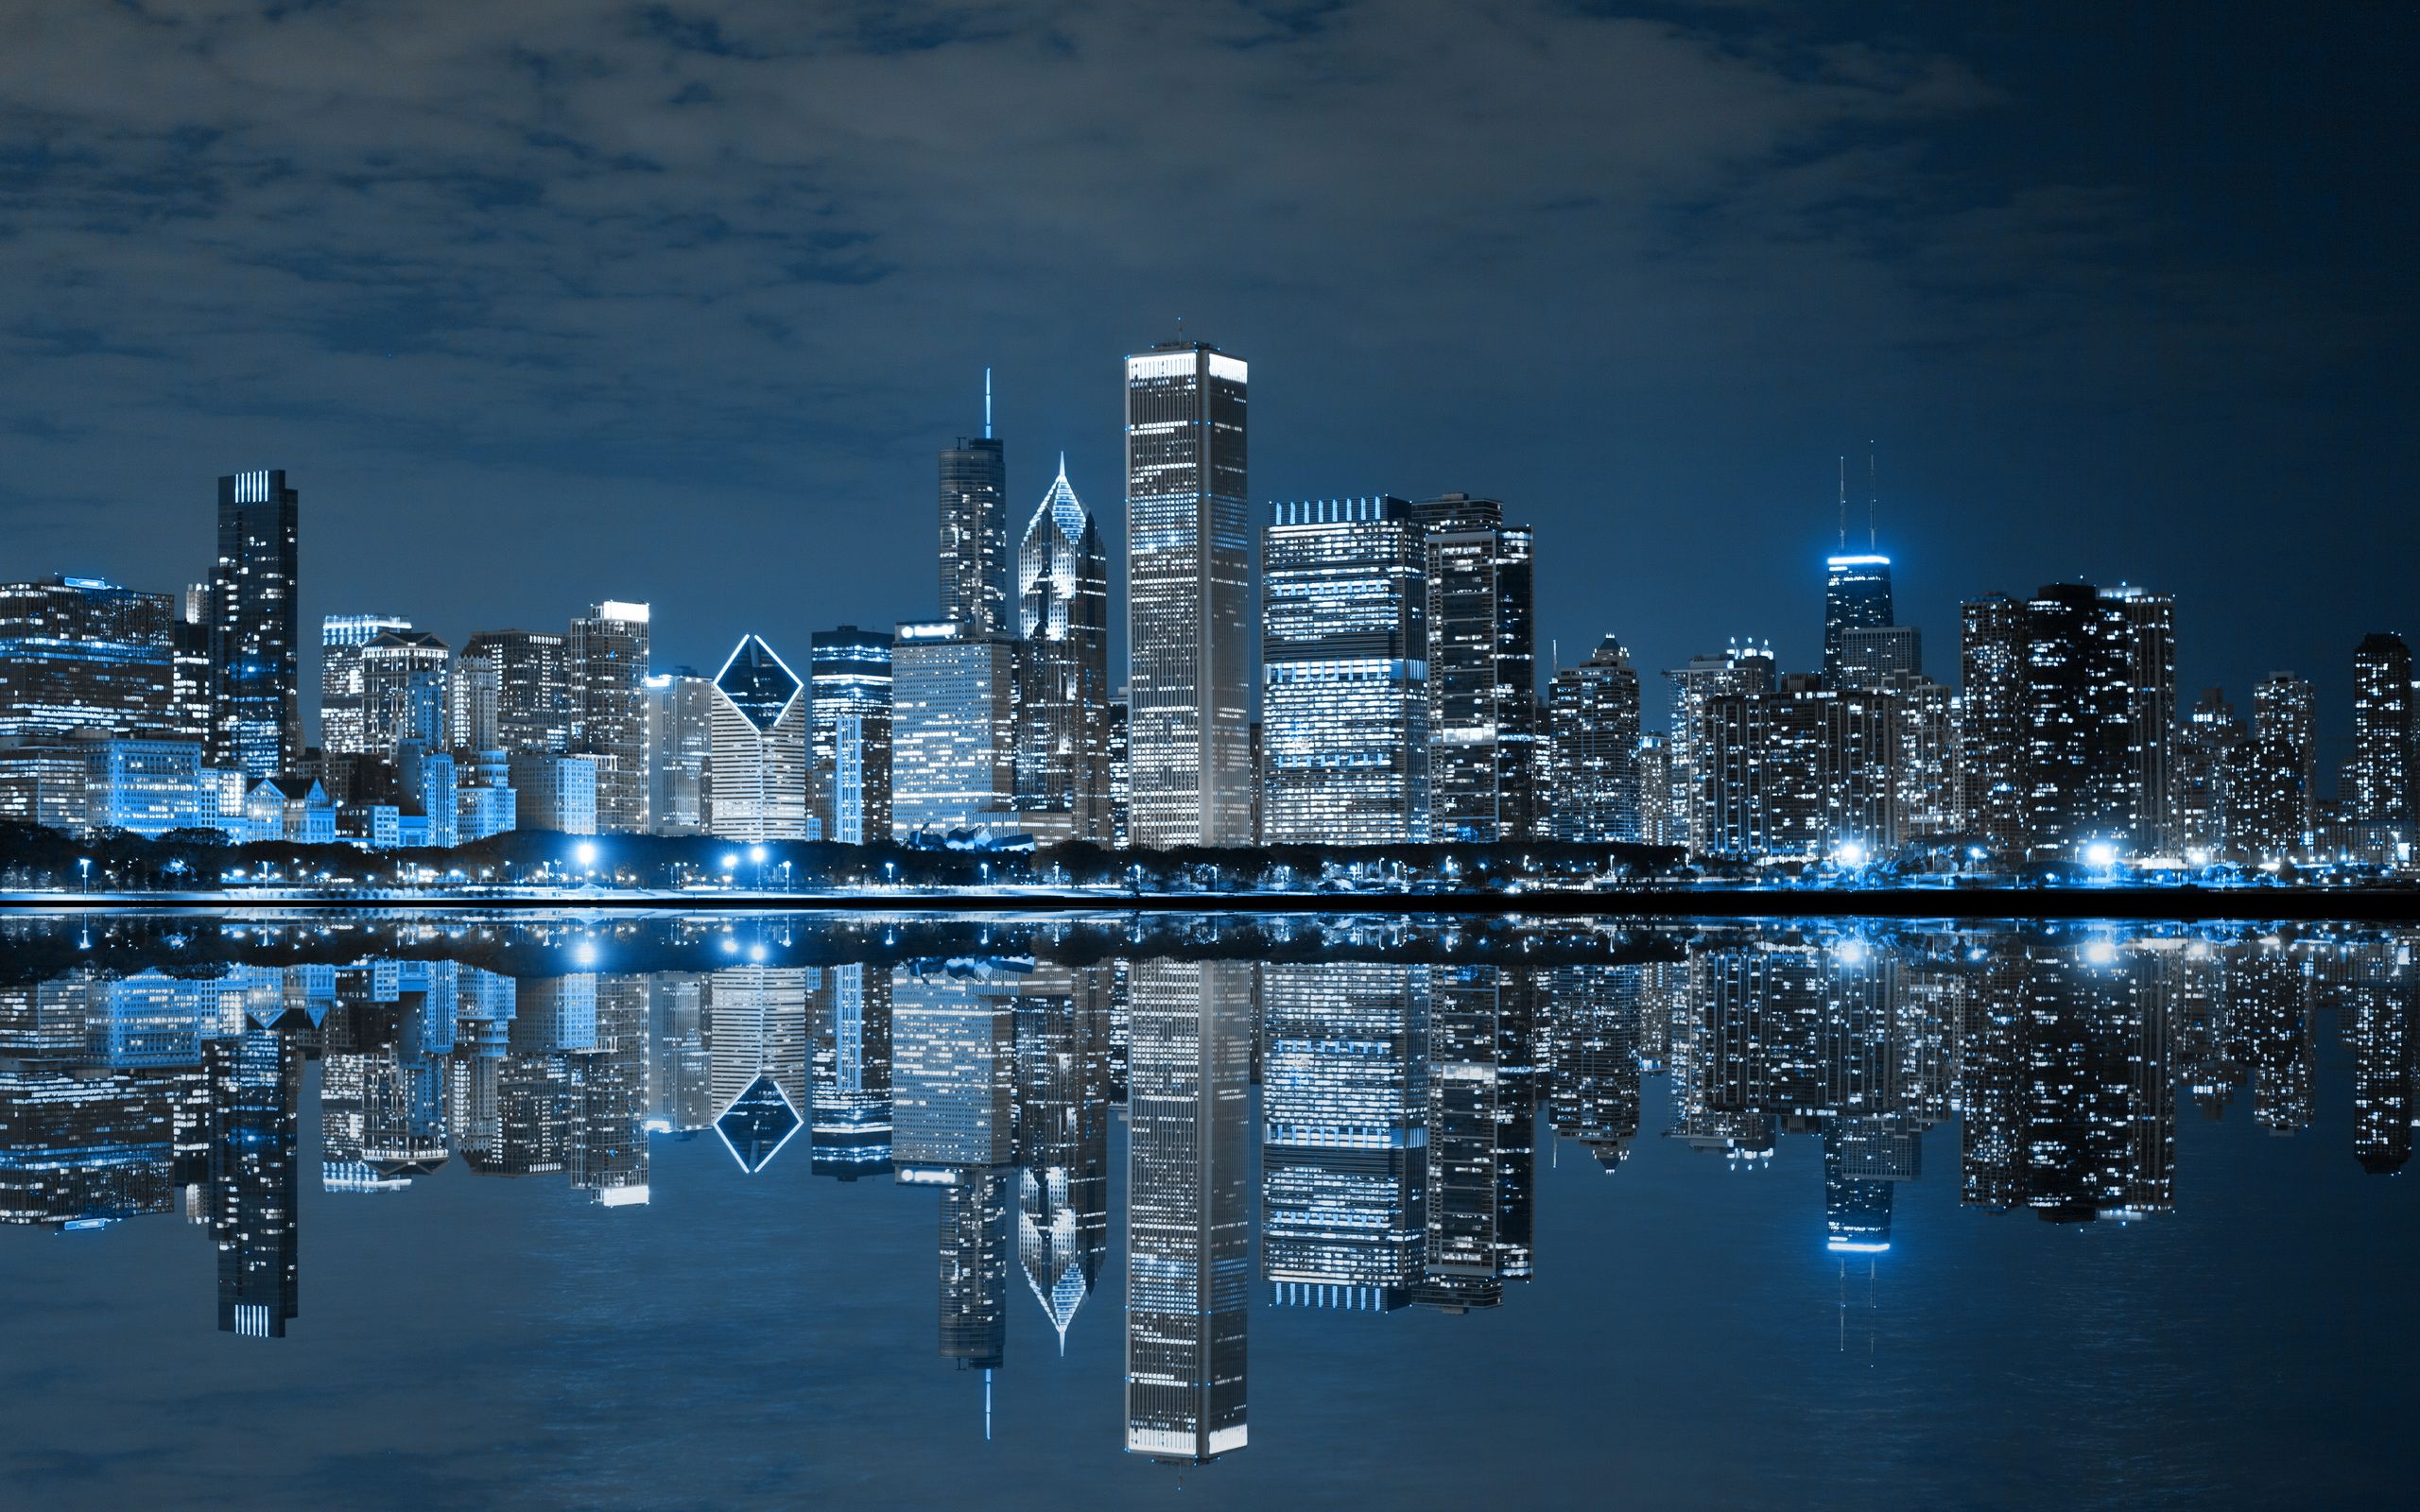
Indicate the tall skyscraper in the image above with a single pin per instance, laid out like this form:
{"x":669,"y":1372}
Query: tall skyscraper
{"x":342,"y":640}
{"x":849,"y":676}
{"x":2146,"y":630}
{"x":760,"y":776}
{"x":2379,"y":783}
{"x":975,"y":529}
{"x":953,"y":731}
{"x":1189,"y":602}
{"x":2284,"y":709}
{"x":1188,"y":1229}
{"x":1062,"y":699}
{"x":84,"y":654}
{"x":609,"y":657}
{"x":2077,"y":725}
{"x":1743,"y":668}
{"x":1484,"y":760}
{"x":256,"y":627}
{"x":538,"y":701}
{"x":1857,"y":596}
{"x":1594,"y":713}
{"x":1345,"y":751}
{"x":679,"y":750}
{"x":1992,"y":723}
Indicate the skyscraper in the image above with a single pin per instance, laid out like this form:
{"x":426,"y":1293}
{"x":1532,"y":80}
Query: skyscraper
{"x":256,"y":627}
{"x":1189,"y":1231}
{"x":2146,"y":630}
{"x":849,"y":676}
{"x":760,"y":777}
{"x":1992,"y":728}
{"x":538,"y":698}
{"x":84,"y":654}
{"x":2078,"y":723}
{"x":2285,"y":708}
{"x":342,"y":640}
{"x":1062,"y":697}
{"x":1593,"y":710}
{"x":1189,"y":561}
{"x":1484,"y":762}
{"x":1857,"y":596}
{"x":953,"y":731}
{"x":405,"y":677}
{"x":1345,"y":754}
{"x":2379,"y":781}
{"x":680,"y":751}
{"x":609,"y":651}
{"x":975,"y":529}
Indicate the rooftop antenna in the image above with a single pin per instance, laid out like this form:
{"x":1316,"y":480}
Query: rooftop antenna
{"x":1870,"y":496}
{"x":1844,"y":501}
{"x":987,"y":403}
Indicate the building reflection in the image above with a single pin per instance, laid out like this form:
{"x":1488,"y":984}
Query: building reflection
{"x":1400,"y":1100}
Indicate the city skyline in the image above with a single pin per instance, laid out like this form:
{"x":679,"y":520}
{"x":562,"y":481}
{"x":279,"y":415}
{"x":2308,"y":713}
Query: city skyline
{"x":2046,"y":340}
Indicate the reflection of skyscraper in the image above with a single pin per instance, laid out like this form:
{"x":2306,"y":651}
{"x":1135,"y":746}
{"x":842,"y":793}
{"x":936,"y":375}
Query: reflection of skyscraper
{"x":256,"y":1082}
{"x":1344,"y":1108}
{"x":1592,"y":1059}
{"x":1062,"y":1140}
{"x":1189,"y":602}
{"x":2378,"y":1029}
{"x":255,"y":628}
{"x":851,"y":1112}
{"x":1481,"y":1156}
{"x":756,"y":1031}
{"x":1188,"y":1244}
{"x":974,"y":1268}
{"x":609,"y":1155}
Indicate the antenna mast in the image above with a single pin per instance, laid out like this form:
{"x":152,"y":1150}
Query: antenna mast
{"x":987,"y":403}
{"x":1870,"y":496}
{"x":1844,"y":501}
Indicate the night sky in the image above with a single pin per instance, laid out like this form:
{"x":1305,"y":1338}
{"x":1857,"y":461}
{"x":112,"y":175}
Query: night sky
{"x":553,"y":300}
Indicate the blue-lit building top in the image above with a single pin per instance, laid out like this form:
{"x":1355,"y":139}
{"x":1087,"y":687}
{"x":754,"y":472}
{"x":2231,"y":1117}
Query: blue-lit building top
{"x":1857,"y":594}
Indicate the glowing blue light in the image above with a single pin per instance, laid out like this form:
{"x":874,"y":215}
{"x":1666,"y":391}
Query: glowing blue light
{"x":2100,"y":853}
{"x":731,"y":862}
{"x":586,"y":853}
{"x":756,"y":853}
{"x":1856,"y":1246}
{"x":585,"y":952}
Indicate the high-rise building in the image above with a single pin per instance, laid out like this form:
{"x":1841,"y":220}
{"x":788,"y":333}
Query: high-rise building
{"x":405,"y":677}
{"x":2145,"y":632}
{"x":1062,"y":699}
{"x":1857,"y":596}
{"x":1483,"y":737}
{"x":849,"y":676}
{"x":1346,"y":748}
{"x":2203,"y":742}
{"x":679,"y":750}
{"x":609,"y":657}
{"x":953,"y":731}
{"x":975,"y":531}
{"x":1188,"y":562}
{"x":256,"y":627}
{"x":190,"y":706}
{"x":2078,"y":723}
{"x":1744,"y":668}
{"x":1188,"y":1229}
{"x":2378,"y":784}
{"x":1344,"y":1108}
{"x":1872,"y":655}
{"x":537,"y":699}
{"x":84,"y":654}
{"x":471,"y":706}
{"x":760,"y":789}
{"x":1992,"y":729}
{"x":2285,"y":708}
{"x":1593,"y":712}
{"x":342,"y":637}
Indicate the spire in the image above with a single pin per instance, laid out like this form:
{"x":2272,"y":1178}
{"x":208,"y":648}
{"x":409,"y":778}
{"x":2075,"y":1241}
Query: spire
{"x":1844,"y":500}
{"x":1063,"y":466}
{"x":1871,"y":495}
{"x":987,"y":403}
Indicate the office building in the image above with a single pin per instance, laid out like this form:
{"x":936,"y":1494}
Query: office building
{"x":471,"y":706}
{"x":1346,"y":748}
{"x":550,"y":791}
{"x":2204,"y":743}
{"x":2145,"y":627}
{"x":1593,"y":715}
{"x":1188,"y":559}
{"x":2285,"y":708}
{"x":608,"y":660}
{"x":256,"y":627}
{"x":537,"y":699}
{"x":849,"y":678}
{"x":760,"y":790}
{"x":1743,"y":668}
{"x":1992,"y":720}
{"x":1857,"y":596}
{"x":1875,"y":655}
{"x":953,"y":733}
{"x":679,"y":750}
{"x":2377,"y":785}
{"x":405,"y":677}
{"x":1483,"y":737}
{"x":975,"y":531}
{"x":82,"y":654}
{"x":1061,"y":602}
{"x":342,"y":637}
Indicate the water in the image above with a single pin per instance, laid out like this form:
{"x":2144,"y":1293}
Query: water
{"x":449,"y":1210}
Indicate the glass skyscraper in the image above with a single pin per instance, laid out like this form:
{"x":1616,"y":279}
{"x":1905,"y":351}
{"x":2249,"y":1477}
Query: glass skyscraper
{"x":1482,"y":671}
{"x":1063,"y":694}
{"x":1345,"y":674}
{"x":849,"y":675}
{"x":953,"y":731}
{"x":1188,"y":603}
{"x":2377,"y":785}
{"x":1857,"y":594}
{"x":537,"y":697}
{"x":679,"y":750}
{"x":974,"y":533}
{"x":1594,"y":713}
{"x":256,"y":627}
{"x":342,"y":640}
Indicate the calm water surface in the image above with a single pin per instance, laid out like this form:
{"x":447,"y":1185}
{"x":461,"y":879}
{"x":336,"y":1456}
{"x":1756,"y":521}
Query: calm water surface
{"x":696,"y":1211}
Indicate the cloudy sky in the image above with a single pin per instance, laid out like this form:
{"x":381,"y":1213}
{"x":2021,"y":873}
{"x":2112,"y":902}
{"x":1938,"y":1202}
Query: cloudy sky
{"x":554,"y":300}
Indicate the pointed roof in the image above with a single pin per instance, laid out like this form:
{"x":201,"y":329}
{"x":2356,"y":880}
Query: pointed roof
{"x":1061,"y":507}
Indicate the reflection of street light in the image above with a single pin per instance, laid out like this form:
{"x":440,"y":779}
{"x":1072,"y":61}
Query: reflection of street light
{"x":85,"y":865}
